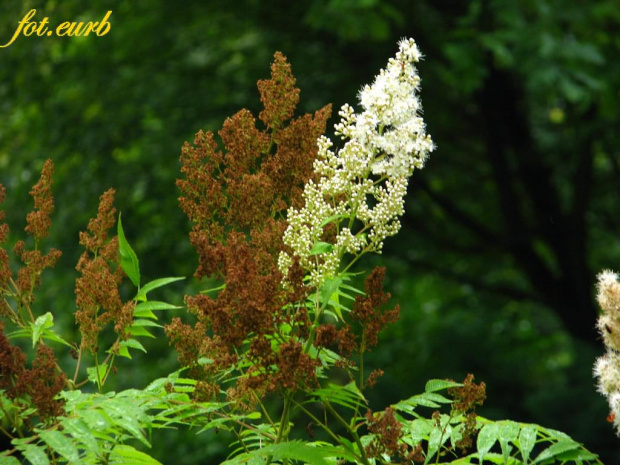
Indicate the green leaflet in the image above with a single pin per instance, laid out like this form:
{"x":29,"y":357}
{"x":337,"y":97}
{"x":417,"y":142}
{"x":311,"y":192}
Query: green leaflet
{"x":129,"y":260}
{"x":124,"y":346}
{"x":43,"y":332}
{"x":320,"y":248}
{"x":34,"y":454}
{"x":127,"y":455}
{"x":563,"y":445}
{"x":428,"y":399}
{"x":486,"y":439}
{"x":348,"y":396}
{"x":508,"y":432}
{"x":439,"y":384}
{"x":148,"y":287}
{"x":145,"y":309}
{"x":97,"y":373}
{"x":62,"y":445}
{"x":9,"y":461}
{"x":41,"y":323}
{"x":527,"y":440}
{"x":439,"y":435}
{"x":82,"y":433}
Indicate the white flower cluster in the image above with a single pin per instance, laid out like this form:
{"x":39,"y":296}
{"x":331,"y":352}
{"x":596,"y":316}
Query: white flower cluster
{"x":607,"y":367}
{"x":362,"y":185}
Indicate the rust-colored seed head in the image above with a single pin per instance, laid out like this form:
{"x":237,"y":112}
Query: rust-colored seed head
{"x":39,"y":221}
{"x":236,"y":201}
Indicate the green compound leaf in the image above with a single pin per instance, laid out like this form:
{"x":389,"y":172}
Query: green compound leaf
{"x":129,"y":260}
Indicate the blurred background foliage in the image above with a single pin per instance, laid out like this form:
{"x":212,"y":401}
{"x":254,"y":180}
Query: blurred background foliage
{"x":506,"y":227}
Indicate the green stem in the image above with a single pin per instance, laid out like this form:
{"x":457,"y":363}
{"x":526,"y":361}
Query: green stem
{"x":350,"y":430}
{"x":283,"y":429}
{"x":264,"y":410}
{"x":325,"y":428}
{"x":79,"y":361}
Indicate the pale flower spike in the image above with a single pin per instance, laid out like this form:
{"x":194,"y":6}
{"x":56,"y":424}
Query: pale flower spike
{"x":364,"y":183}
{"x":607,"y":367}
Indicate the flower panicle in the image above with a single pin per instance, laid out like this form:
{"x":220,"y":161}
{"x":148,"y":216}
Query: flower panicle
{"x":366,"y":180}
{"x":97,"y":294}
{"x":5,"y":270}
{"x":236,"y":199}
{"x":38,"y":223}
{"x":607,"y":367}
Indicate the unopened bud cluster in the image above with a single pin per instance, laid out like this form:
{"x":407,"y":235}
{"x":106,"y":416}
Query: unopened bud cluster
{"x":607,"y":367}
{"x":361,"y":187}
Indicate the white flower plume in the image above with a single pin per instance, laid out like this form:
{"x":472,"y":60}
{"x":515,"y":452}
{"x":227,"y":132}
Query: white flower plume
{"x":361,"y":187}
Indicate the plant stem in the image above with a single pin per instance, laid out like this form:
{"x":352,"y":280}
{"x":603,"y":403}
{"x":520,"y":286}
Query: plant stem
{"x":325,"y":428}
{"x":79,"y":361}
{"x":350,"y":430}
{"x":283,"y":423}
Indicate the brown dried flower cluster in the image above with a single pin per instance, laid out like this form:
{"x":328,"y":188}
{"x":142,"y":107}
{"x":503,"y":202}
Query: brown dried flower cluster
{"x":388,"y":432}
{"x":366,"y":308}
{"x":237,"y":201}
{"x":98,"y":299}
{"x":5,"y":271}
{"x":39,"y":221}
{"x":38,"y":224}
{"x":466,"y":398}
{"x":41,"y":383}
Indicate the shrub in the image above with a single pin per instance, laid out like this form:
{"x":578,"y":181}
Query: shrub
{"x":279,"y":220}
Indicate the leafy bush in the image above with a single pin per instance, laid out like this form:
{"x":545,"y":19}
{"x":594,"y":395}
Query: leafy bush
{"x":279,"y":341}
